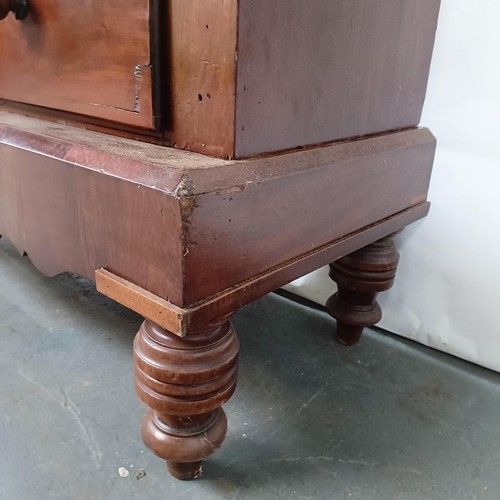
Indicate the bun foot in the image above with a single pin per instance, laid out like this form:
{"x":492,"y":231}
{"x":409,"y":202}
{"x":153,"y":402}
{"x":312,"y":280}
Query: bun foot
{"x":360,"y":276}
{"x":184,"y":382}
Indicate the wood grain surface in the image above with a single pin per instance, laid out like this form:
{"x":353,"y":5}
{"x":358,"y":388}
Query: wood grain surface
{"x":225,"y":78}
{"x":179,"y":321}
{"x":318,"y":71}
{"x":290,"y":204}
{"x":360,"y":276}
{"x":192,"y":229}
{"x":91,"y":58}
{"x":202,"y":39}
{"x":184,"y":382}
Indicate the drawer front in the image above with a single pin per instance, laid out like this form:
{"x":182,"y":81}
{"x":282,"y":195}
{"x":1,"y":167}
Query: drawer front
{"x":90,"y":57}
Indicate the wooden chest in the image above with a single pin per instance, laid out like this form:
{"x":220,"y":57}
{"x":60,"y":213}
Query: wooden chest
{"x":306,"y":116}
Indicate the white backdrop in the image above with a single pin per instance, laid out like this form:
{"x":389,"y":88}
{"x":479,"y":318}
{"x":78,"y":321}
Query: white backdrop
{"x":448,"y":285}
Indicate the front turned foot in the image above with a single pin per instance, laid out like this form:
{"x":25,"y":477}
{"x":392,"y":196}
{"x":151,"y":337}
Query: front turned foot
{"x":184,"y":381}
{"x":360,"y":276}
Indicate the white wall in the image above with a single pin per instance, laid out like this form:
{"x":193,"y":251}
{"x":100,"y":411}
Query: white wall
{"x":448,"y":286}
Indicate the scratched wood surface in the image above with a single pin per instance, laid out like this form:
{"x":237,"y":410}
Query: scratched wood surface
{"x":202,"y":36}
{"x":188,"y":233}
{"x":91,"y":58}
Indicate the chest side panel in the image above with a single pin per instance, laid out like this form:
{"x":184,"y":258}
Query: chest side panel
{"x":318,"y":71}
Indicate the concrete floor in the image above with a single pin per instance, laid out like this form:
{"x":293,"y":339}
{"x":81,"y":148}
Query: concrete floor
{"x":387,"y":419}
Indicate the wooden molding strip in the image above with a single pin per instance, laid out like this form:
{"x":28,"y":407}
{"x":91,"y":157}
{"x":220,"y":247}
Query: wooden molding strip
{"x":178,"y":320}
{"x":152,"y":307}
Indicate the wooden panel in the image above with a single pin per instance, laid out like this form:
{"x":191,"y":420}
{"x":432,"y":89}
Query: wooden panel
{"x":277,"y":208}
{"x":315,"y":71}
{"x":179,"y":321}
{"x":232,"y":299}
{"x":89,"y":57}
{"x":203,"y":71}
{"x":77,"y":208}
{"x":187,"y":227}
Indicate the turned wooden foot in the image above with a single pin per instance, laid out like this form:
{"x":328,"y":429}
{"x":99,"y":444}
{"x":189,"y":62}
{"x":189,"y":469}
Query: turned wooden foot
{"x":184,"y":381}
{"x":360,"y":276}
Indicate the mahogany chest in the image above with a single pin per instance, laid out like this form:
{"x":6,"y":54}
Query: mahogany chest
{"x":192,"y":155}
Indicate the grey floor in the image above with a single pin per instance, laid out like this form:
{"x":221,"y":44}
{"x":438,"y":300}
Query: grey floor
{"x":384,"y":420}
